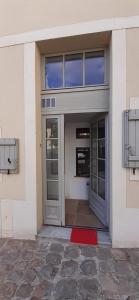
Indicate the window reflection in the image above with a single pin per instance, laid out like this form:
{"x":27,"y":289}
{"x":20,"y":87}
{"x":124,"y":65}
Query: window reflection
{"x":101,"y":188}
{"x":101,"y":168}
{"x":101,"y":129}
{"x":54,"y":72}
{"x":73,"y":70}
{"x":94,"y":68}
{"x":101,"y":148}
{"x":67,"y":70}
{"x":52,"y":128}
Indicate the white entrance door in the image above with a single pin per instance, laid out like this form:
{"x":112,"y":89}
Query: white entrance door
{"x":53,"y":170}
{"x":98,"y":173}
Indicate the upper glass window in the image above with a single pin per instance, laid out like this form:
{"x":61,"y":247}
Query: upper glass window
{"x":94,"y":68}
{"x":73,"y":69}
{"x":54,"y":72}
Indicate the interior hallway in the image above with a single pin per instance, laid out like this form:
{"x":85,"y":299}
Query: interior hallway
{"x":78,"y":213}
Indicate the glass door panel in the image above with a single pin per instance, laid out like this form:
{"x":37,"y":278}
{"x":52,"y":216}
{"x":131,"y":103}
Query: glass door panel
{"x":53,"y":166}
{"x":52,"y":149}
{"x":52,"y":128}
{"x":52,"y":170}
{"x":94,"y":184}
{"x":101,"y":148}
{"x":94,"y":166}
{"x":52,"y":190}
{"x":98,"y":169}
{"x":101,"y":168}
{"x":101,"y":129}
{"x":101,"y":188}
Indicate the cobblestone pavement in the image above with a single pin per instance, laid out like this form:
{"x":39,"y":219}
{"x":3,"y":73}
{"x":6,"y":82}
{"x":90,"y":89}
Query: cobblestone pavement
{"x":57,"y":270}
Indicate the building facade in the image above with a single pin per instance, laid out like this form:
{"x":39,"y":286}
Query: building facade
{"x":67,"y":70}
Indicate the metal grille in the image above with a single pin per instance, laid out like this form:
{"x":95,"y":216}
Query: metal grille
{"x":48,"y":102}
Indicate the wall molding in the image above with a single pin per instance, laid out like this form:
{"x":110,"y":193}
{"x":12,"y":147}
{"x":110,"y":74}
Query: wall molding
{"x":118,"y":105}
{"x":30,"y":131}
{"x":70,"y":30}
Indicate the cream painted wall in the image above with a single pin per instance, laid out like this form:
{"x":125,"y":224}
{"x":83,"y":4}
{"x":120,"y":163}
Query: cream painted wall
{"x":38,"y":140}
{"x":12,"y":115}
{"x":75,"y":187}
{"x":21,"y":194}
{"x":132,"y":88}
{"x":37,"y":14}
{"x":124,"y":220}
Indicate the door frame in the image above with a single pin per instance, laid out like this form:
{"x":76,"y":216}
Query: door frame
{"x":60,"y":167}
{"x":107,"y":209}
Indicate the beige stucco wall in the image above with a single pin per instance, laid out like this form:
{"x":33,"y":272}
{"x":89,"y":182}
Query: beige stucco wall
{"x":132,"y":88}
{"x":38,"y":140}
{"x":25,"y":15}
{"x":12,"y":115}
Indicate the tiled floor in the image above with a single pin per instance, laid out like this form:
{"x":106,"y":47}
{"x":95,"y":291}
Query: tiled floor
{"x":48,"y":269}
{"x":78,"y":213}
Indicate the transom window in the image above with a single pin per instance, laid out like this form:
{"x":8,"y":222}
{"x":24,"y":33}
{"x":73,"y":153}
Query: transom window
{"x":74,"y":70}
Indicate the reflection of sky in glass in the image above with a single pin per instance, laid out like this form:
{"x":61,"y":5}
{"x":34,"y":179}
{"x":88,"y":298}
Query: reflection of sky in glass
{"x":73,"y":70}
{"x":54,"y":72}
{"x":94,"y":70}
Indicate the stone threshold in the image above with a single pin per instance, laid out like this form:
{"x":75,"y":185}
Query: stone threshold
{"x":64,"y":233}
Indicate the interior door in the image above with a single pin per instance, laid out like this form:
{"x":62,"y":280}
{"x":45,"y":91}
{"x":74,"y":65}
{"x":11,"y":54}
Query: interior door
{"x":98,"y":170}
{"x":53,"y":170}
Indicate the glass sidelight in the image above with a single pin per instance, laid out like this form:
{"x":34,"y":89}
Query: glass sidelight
{"x":53,"y":169}
{"x":52,"y":144}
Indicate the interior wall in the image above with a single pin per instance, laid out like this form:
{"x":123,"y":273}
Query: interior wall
{"x":75,"y":187}
{"x":35,"y":15}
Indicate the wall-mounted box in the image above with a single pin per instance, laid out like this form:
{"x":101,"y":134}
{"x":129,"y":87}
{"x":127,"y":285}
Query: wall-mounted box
{"x":9,"y":155}
{"x":131,"y":138}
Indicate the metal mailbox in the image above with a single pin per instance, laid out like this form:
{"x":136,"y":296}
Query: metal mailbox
{"x":9,"y":155}
{"x":131,"y":138}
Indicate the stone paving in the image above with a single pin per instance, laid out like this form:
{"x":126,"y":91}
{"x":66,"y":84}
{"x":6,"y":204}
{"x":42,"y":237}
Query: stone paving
{"x":51,"y":269}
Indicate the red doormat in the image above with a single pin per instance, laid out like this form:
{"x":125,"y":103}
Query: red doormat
{"x":84,"y":236}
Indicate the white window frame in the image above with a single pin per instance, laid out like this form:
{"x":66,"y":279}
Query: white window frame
{"x":44,"y":57}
